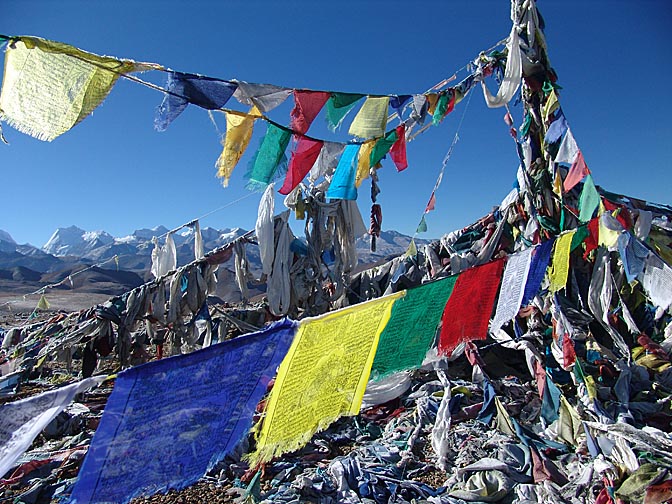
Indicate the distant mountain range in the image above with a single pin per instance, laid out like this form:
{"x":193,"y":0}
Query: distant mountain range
{"x":71,"y":249}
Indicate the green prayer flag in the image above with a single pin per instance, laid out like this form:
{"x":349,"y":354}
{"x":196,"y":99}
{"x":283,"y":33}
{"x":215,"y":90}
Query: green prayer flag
{"x":422,"y":227}
{"x":412,"y":326}
{"x":267,"y":162}
{"x":338,"y":106}
{"x":589,"y":200}
{"x":440,"y":110}
{"x":382,"y":147}
{"x":579,"y":236}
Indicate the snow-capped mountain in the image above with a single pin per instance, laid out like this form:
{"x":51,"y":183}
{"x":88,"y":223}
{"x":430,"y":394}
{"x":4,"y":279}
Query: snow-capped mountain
{"x":75,"y":241}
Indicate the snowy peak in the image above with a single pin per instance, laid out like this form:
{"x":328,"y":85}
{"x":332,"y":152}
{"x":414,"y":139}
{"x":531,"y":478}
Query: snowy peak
{"x":75,"y":241}
{"x":6,"y":237}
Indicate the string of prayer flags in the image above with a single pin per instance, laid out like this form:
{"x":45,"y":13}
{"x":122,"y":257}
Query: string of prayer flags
{"x":338,"y":106}
{"x":467,"y":312}
{"x":364,"y":162}
{"x":398,"y":150}
{"x":169,"y":421}
{"x":270,"y":159}
{"x":578,"y":170}
{"x":238,"y":134}
{"x":513,"y":285}
{"x":589,"y":200}
{"x":371,"y":120}
{"x":264,"y":96}
{"x":327,"y":161}
{"x":303,"y":158}
{"x":559,"y":271}
{"x":410,"y":332}
{"x":49,"y":87}
{"x":183,"y":89}
{"x":343,"y":182}
{"x":323,"y":376}
{"x":307,"y":104}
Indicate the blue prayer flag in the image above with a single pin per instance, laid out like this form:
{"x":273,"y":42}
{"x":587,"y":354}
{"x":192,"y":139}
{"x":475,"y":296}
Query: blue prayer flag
{"x":168,"y":422}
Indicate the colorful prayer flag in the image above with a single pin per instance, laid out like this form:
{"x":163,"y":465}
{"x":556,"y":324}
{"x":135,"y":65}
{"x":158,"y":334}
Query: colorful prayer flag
{"x":323,"y":376}
{"x":410,"y":332}
{"x":343,"y":182}
{"x":270,"y":158}
{"x":371,"y":119}
{"x":307,"y":104}
{"x":578,"y":170}
{"x":467,"y":312}
{"x":398,"y":150}
{"x":303,"y":158}
{"x":238,"y":134}
{"x":169,"y":421}
{"x":49,"y":87}
{"x":338,"y":106}
{"x":559,"y":272}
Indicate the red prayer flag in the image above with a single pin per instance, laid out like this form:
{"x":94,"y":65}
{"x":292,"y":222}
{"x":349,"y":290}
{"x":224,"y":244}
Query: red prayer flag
{"x":576,"y":173}
{"x":431,"y":203}
{"x":468,"y":310}
{"x":568,"y":351}
{"x":303,"y":158}
{"x":592,"y":240}
{"x":398,"y":150}
{"x":307,"y":104}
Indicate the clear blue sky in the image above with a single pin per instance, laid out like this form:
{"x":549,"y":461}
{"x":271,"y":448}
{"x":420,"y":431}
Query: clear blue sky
{"x":114,"y":172}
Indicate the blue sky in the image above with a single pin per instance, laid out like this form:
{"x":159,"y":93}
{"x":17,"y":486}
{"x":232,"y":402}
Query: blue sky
{"x":114,"y":172}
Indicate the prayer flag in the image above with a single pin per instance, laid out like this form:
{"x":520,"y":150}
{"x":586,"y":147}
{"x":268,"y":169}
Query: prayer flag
{"x":551,"y":104}
{"x":382,"y":147}
{"x":323,"y":376}
{"x":398,"y":150}
{"x":238,"y":134}
{"x":398,"y":102}
{"x":371,"y":119}
{"x":43,"y":304}
{"x":568,"y":149}
{"x":560,"y":263}
{"x":657,"y":281}
{"x":338,"y":106}
{"x":431,"y":203}
{"x":364,"y":162}
{"x":343,"y":182}
{"x":270,"y":158}
{"x":513,"y":285}
{"x":589,"y":200}
{"x":410,"y":332}
{"x":265,"y":96}
{"x":183,"y":89}
{"x":556,"y":129}
{"x":633,"y":254}
{"x":422,"y":226}
{"x":578,"y":170}
{"x":538,"y":267}
{"x":49,"y":87}
{"x":24,"y":419}
{"x":169,"y":421}
{"x":303,"y":158}
{"x":467,"y":312}
{"x":307,"y":104}
{"x":327,"y":161}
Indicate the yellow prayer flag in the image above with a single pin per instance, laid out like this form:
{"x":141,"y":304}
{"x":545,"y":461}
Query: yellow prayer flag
{"x":432,"y":100}
{"x":43,"y":304}
{"x":238,"y":134}
{"x":608,"y":238}
{"x":48,"y":87}
{"x":412,"y":250}
{"x":504,"y":423}
{"x":323,"y":376}
{"x":560,"y":262}
{"x":551,"y":105}
{"x":364,"y":162}
{"x":371,"y":120}
{"x":570,"y":429}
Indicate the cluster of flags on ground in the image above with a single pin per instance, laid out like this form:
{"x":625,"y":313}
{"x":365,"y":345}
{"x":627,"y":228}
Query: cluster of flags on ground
{"x":171,"y":420}
{"x":49,"y":87}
